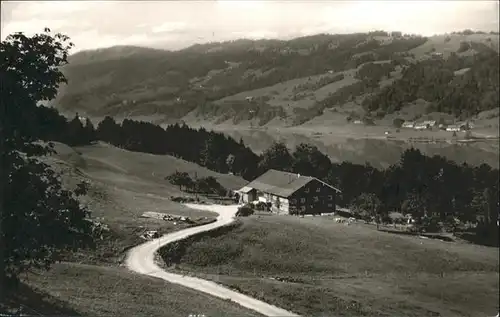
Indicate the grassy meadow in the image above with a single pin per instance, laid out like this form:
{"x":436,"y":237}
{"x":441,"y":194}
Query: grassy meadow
{"x":316,"y":267}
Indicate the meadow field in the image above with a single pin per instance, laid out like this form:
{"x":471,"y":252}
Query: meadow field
{"x":316,"y":267}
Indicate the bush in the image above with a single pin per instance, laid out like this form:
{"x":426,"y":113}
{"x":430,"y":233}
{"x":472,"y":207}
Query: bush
{"x":245,"y":211}
{"x":464,"y":46}
{"x":398,"y":122}
{"x":431,"y":224}
{"x":368,"y":121}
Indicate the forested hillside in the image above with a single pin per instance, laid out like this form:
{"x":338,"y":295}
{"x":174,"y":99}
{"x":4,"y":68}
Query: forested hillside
{"x":435,"y":81}
{"x":212,"y":81}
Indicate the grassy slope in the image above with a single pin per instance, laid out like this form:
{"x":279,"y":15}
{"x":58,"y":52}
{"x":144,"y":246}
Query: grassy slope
{"x":124,"y":185}
{"x":121,"y":189}
{"x":100,"y":291}
{"x":149,"y":167}
{"x":349,"y":270}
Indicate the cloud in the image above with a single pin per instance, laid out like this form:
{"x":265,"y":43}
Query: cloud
{"x":170,"y":27}
{"x":175,"y":24}
{"x":33,"y":26}
{"x":260,"y":34}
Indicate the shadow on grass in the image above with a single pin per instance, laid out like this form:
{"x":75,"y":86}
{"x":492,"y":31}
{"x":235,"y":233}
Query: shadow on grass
{"x":427,"y":235}
{"x":485,"y":240}
{"x":34,"y":302}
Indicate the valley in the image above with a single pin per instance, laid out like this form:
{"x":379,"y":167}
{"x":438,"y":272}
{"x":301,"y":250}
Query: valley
{"x":313,"y":89}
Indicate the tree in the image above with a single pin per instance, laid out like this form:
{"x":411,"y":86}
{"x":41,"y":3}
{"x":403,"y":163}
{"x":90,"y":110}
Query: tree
{"x":40,"y":220}
{"x":468,"y":135}
{"x":483,"y":205}
{"x":75,"y":134}
{"x":230,"y":162}
{"x":308,"y":160}
{"x":108,"y":131}
{"x":368,"y":203}
{"x":89,"y":131}
{"x":398,"y":122}
{"x":180,"y":179}
{"x":415,"y":205}
{"x":210,"y":185}
{"x":277,"y":157}
{"x":212,"y":153}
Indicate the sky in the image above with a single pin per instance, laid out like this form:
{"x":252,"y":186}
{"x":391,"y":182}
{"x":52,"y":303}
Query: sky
{"x":178,"y":24}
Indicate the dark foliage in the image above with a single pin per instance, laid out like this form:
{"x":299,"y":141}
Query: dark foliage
{"x":39,"y":219}
{"x":206,"y":148}
{"x":374,"y":72}
{"x":204,"y":185}
{"x":245,"y":211}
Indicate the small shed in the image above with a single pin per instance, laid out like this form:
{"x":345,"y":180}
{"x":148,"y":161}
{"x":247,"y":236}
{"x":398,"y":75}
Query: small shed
{"x":247,"y":194}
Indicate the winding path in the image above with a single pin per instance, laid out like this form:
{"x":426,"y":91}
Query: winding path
{"x":141,"y":259}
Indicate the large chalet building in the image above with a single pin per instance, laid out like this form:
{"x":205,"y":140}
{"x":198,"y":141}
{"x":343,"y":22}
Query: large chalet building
{"x":290,"y":193}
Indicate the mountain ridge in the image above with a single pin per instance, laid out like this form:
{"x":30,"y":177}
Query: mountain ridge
{"x":133,"y":80}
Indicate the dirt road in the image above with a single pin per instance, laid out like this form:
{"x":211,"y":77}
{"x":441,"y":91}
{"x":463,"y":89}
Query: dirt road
{"x":141,"y":260}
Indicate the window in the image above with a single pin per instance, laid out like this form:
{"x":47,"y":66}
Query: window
{"x":330,"y":197}
{"x":316,"y":199}
{"x":306,"y":190}
{"x":303,"y":208}
{"x":293,"y":201}
{"x":302,"y":200}
{"x":330,"y":205}
{"x":318,"y":189}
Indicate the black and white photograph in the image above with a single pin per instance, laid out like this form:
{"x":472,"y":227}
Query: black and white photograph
{"x":249,"y":158}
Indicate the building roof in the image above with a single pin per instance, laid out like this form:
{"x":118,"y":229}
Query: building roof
{"x":245,"y":190}
{"x":281,"y":183}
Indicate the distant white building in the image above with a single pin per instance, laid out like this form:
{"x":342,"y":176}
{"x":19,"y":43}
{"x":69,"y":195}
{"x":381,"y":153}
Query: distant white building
{"x":430,"y":123}
{"x":420,"y":126}
{"x":358,"y":122}
{"x":454,"y":128}
{"x":408,"y":124}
